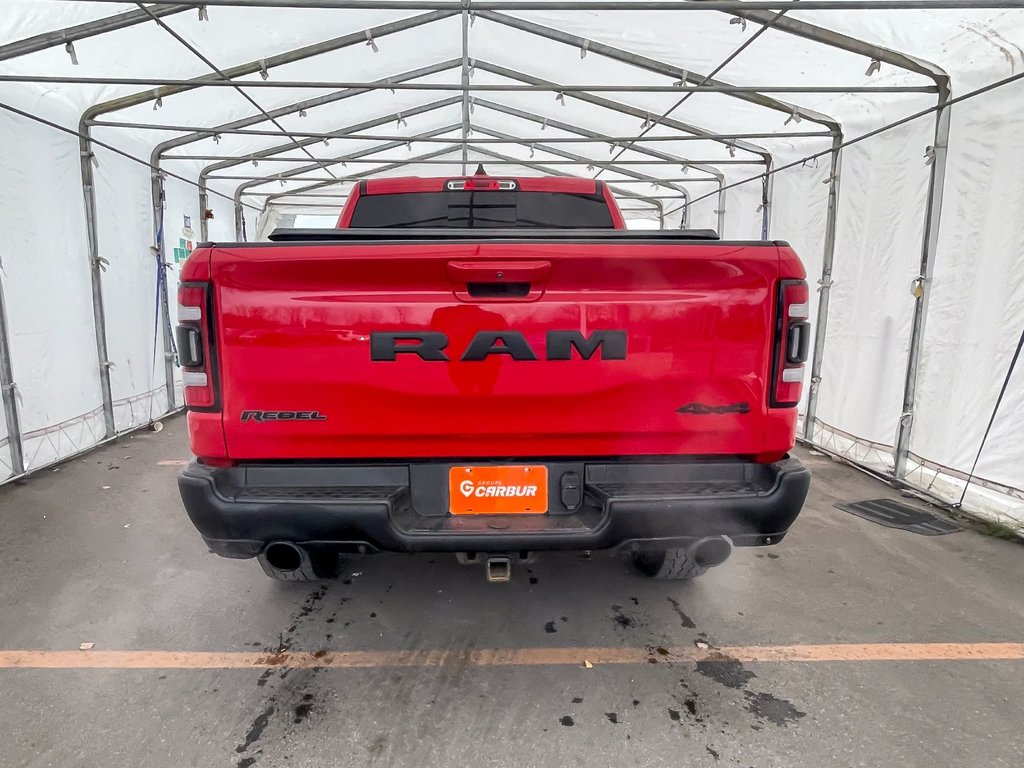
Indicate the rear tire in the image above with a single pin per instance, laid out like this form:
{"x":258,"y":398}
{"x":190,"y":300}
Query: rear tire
{"x":677,"y":564}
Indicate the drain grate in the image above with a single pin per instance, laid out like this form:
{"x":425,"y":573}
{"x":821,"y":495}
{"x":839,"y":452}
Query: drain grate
{"x":896,"y":514}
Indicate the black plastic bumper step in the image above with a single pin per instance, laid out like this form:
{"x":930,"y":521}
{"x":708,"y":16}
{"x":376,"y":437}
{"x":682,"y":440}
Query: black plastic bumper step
{"x":896,"y":514}
{"x":330,"y":493}
{"x":678,"y":489}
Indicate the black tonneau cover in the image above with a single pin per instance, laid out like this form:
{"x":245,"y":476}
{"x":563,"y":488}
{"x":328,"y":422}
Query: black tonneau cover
{"x":415,"y":234}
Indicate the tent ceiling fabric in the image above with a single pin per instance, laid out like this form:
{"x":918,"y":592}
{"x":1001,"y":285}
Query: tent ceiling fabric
{"x":682,"y":107}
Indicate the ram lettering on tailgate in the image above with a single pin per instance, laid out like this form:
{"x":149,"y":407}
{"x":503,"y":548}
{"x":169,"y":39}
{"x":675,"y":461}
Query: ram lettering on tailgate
{"x":385,"y":346}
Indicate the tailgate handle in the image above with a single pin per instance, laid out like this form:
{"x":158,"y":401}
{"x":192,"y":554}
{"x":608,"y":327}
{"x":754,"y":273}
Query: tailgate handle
{"x":498,"y":280}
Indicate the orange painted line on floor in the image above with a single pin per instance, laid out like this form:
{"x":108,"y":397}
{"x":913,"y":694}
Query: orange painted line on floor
{"x":524,"y":657}
{"x":172,"y":463}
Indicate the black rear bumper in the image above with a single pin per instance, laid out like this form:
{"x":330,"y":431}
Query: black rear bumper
{"x":404,"y":507}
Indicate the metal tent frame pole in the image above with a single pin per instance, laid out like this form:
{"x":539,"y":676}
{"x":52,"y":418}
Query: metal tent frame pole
{"x":96,"y":267}
{"x":160,"y":252}
{"x":465,"y":89}
{"x":586,"y":160}
{"x":234,"y":83}
{"x":70,"y":35}
{"x":200,"y":133}
{"x":456,"y":143}
{"x":923,"y":285}
{"x":824,"y":287}
{"x":9,"y":394}
{"x":606,"y":5}
{"x":657,"y":181}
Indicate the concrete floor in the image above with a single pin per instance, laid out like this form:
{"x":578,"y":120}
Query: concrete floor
{"x":121,"y":567}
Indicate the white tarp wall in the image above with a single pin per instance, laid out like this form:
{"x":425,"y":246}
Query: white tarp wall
{"x":45,"y":278}
{"x":975,"y":309}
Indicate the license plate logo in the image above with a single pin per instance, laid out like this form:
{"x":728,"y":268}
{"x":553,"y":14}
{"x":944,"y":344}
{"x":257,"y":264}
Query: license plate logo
{"x":505,"y":490}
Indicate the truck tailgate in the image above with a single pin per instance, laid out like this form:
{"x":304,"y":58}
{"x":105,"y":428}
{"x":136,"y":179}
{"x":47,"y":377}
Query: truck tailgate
{"x":294,"y":324}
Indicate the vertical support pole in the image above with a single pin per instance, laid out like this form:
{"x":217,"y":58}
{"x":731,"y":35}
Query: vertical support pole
{"x":923,"y":284}
{"x":95,"y":271}
{"x":204,"y":206}
{"x":684,"y":219}
{"x":824,"y":284}
{"x":767,"y":188}
{"x":239,"y":220}
{"x":721,"y":208}
{"x":160,"y":253}
{"x":9,"y":395}
{"x":465,"y":90}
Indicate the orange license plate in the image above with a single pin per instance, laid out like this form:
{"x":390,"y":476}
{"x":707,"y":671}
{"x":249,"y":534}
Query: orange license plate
{"x":518,"y":490}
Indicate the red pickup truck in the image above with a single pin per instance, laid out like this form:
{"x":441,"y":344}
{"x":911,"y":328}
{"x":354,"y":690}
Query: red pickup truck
{"x":491,"y":367}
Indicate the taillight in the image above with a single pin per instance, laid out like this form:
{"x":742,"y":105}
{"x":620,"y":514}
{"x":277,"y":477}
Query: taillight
{"x":792,"y":339}
{"x":195,"y":346}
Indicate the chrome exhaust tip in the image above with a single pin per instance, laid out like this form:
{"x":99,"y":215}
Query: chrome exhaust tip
{"x":286,"y":561}
{"x":712,"y":551}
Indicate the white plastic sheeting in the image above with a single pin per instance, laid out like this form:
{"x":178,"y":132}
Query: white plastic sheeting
{"x":975,"y":301}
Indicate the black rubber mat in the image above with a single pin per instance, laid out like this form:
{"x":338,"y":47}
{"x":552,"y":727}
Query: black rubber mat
{"x":896,"y":514}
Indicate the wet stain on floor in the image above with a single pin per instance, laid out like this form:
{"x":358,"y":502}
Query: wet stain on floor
{"x":695,"y":706}
{"x":685,"y":621}
{"x":302,"y":711}
{"x":256,"y":729}
{"x":725,"y":670}
{"x":624,"y":620}
{"x":767,"y":707}
{"x":290,"y":698}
